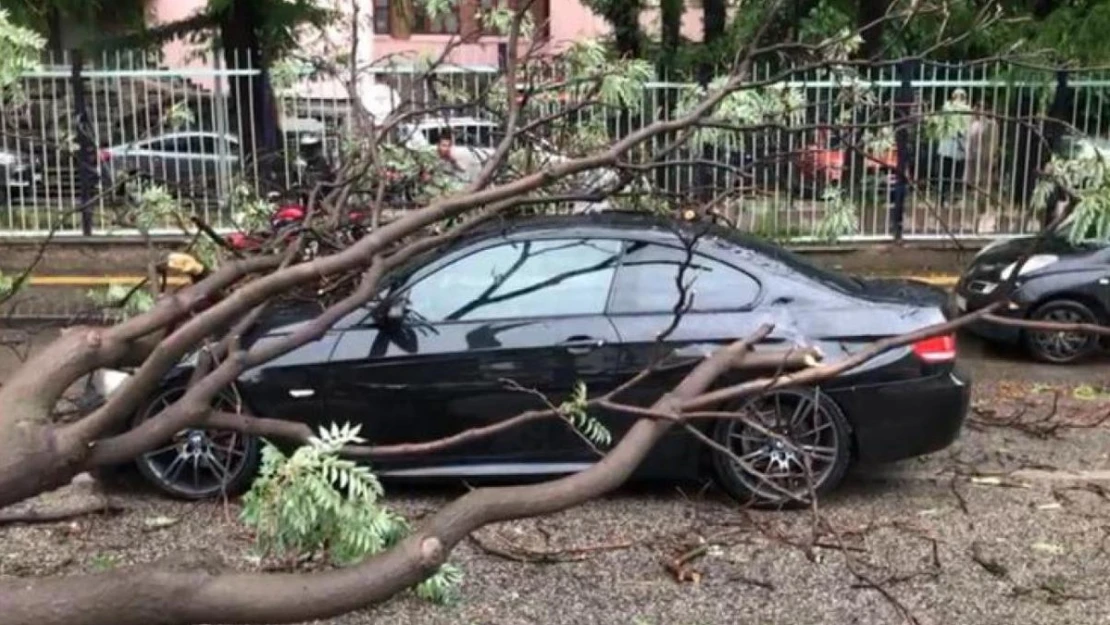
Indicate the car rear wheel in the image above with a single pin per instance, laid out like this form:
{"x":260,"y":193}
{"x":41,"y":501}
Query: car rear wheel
{"x":198,"y":463}
{"x":792,"y":444}
{"x":1058,"y":347}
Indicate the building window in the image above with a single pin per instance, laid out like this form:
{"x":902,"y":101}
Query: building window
{"x":401,"y":18}
{"x":484,"y":7}
{"x":443,"y":24}
{"x":381,"y":17}
{"x":391,"y":17}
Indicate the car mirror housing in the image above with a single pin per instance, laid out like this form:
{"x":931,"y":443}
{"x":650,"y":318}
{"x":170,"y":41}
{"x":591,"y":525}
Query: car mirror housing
{"x":392,"y":309}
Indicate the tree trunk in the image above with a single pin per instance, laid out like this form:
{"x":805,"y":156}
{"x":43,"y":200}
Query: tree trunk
{"x":624,"y":17}
{"x":670,"y":17}
{"x":715,"y":18}
{"x":251,"y":96}
{"x":54,"y":34}
{"x":870,"y":21}
{"x":714,"y":21}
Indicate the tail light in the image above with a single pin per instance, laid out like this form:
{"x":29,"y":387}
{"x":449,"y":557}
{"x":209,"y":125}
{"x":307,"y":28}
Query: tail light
{"x":936,"y":349}
{"x":105,"y":156}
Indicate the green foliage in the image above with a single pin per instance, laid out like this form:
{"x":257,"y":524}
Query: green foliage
{"x":288,"y":71}
{"x":500,"y":21}
{"x":622,"y":80}
{"x":155,"y":204}
{"x":841,"y":216}
{"x":953,"y":118}
{"x":180,"y":116}
{"x":19,"y":50}
{"x":120,"y":301}
{"x":7,"y":286}
{"x":825,"y":19}
{"x":251,"y":212}
{"x":435,"y":9}
{"x":575,"y":411}
{"x":314,"y":501}
{"x":774,"y":104}
{"x":1085,"y":172}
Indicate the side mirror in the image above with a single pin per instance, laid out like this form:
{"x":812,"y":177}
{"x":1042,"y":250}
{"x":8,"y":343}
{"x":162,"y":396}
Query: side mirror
{"x":392,"y":309}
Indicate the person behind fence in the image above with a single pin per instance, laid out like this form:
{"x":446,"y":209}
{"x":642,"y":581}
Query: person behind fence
{"x":444,"y":149}
{"x":952,"y":148}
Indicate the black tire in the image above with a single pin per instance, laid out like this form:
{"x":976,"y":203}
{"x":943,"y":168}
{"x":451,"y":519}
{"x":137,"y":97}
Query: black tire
{"x":804,"y":418}
{"x":1062,"y":348}
{"x":167,"y":467}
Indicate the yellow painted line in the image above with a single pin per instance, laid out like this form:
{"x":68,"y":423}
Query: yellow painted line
{"x":96,"y":280}
{"x":936,"y":280}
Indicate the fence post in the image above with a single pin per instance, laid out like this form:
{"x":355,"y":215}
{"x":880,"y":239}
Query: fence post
{"x":86,"y":156}
{"x":1056,"y":122}
{"x":903,"y":103}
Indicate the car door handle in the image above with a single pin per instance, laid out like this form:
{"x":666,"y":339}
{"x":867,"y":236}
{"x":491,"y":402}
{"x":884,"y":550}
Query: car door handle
{"x":582,"y":344}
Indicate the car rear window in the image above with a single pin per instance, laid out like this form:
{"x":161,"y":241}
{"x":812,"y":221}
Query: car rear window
{"x":649,"y":277}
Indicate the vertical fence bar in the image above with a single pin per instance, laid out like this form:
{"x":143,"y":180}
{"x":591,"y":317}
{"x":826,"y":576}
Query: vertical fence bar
{"x":81,"y":123}
{"x":903,"y":101}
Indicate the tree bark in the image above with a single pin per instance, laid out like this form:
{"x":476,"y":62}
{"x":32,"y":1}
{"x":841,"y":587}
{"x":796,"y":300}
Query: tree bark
{"x":871,"y":27}
{"x":167,"y":596}
{"x":253,"y":99}
{"x":624,"y":17}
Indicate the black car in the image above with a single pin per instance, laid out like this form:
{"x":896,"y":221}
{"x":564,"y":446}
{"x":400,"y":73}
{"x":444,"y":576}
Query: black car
{"x":1062,"y":281}
{"x":548,"y":302}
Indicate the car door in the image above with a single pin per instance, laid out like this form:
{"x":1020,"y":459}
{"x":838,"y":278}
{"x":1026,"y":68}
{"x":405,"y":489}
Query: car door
{"x":153,"y":157}
{"x":494,"y":330}
{"x":717,"y":301}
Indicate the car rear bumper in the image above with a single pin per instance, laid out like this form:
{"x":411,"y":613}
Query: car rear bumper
{"x":899,"y":420}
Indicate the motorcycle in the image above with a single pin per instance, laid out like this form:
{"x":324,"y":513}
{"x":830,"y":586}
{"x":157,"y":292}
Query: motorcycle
{"x":287,"y":220}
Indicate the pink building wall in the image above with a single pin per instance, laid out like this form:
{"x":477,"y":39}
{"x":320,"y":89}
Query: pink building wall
{"x":570,"y":20}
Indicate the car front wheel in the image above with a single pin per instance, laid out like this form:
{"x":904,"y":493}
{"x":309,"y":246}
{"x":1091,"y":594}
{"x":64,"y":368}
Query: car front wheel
{"x":198,"y":463}
{"x":1058,"y":347}
{"x":787,"y":447}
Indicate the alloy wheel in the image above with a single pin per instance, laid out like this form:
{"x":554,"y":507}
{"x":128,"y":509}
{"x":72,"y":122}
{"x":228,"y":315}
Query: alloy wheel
{"x":789,"y":446}
{"x":1063,"y":346}
{"x":197,"y":463}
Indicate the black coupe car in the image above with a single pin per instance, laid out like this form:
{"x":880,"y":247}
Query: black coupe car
{"x":548,"y":302}
{"x":1062,"y":281}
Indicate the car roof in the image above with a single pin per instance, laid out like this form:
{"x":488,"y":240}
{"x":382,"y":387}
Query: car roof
{"x":452,"y":122}
{"x":188,"y":133}
{"x":622,"y":223}
{"x":712,"y":238}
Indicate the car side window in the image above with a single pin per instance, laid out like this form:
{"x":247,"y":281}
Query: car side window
{"x":521,"y":279}
{"x":647,"y":282}
{"x":159,"y":145}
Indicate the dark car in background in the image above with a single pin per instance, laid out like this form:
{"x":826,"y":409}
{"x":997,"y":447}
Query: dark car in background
{"x":1061,"y":280}
{"x":549,"y":302}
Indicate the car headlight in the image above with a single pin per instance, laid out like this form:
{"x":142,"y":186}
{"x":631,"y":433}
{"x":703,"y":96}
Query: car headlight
{"x":1035,"y":262}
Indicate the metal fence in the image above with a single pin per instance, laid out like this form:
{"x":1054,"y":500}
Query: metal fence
{"x":81,"y":121}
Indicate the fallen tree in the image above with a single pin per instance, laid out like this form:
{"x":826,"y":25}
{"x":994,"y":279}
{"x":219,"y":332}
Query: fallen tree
{"x":211,"y":317}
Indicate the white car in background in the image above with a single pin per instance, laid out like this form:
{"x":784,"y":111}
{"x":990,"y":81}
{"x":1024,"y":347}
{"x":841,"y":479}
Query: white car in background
{"x":474,"y":142}
{"x":18,"y":174}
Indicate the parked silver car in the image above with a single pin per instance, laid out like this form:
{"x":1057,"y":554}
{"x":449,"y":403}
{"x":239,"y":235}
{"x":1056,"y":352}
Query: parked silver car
{"x":192,"y":161}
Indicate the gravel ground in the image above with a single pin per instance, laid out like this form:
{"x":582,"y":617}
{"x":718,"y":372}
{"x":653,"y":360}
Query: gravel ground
{"x":1007,"y":526}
